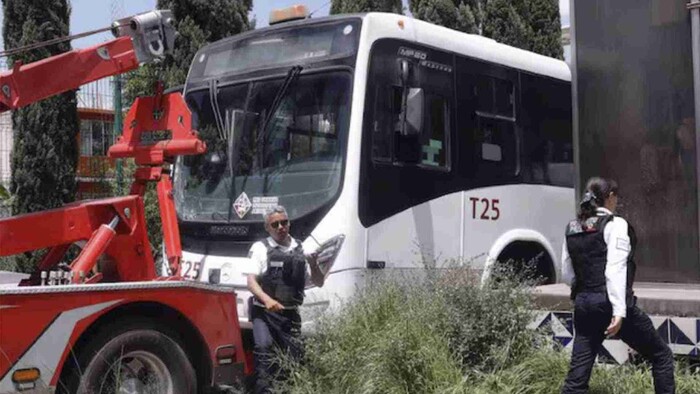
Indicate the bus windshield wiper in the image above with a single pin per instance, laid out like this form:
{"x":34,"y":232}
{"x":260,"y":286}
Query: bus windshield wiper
{"x":292,"y":75}
{"x":216,"y":109}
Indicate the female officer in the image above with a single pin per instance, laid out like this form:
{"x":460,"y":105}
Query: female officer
{"x":598,"y":264}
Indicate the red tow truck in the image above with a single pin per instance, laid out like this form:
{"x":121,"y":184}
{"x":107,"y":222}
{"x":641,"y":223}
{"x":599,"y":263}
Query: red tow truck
{"x":106,"y":321}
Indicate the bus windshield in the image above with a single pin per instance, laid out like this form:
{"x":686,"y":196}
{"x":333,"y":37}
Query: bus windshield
{"x":267,"y":144}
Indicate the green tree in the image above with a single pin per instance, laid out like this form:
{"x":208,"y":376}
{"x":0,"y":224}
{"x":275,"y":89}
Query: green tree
{"x":439,"y":12}
{"x":532,"y":25}
{"x":506,"y":22}
{"x":545,"y":22}
{"x":4,"y":194}
{"x":470,"y":16}
{"x":353,"y":6}
{"x":45,"y":152}
{"x":462,"y":15}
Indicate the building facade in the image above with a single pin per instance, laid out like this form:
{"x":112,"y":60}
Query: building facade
{"x":634,"y":101}
{"x":95,"y":170}
{"x":96,"y":113}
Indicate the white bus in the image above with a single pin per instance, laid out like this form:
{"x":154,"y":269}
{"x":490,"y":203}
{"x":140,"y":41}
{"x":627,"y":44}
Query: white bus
{"x":418,"y":143}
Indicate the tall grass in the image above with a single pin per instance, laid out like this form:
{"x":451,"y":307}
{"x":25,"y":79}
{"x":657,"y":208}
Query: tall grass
{"x":485,"y":326}
{"x":389,"y":340}
{"x":544,"y":370}
{"x":445,"y":334}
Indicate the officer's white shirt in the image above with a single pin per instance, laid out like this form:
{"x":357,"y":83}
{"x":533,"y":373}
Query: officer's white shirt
{"x":618,"y":242}
{"x":258,"y":253}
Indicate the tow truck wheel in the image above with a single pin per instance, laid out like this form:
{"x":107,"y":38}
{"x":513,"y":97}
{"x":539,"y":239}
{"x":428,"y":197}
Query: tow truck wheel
{"x":142,"y":360}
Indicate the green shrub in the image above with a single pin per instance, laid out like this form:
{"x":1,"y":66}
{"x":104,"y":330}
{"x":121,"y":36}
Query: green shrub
{"x":415,"y":336}
{"x":388,"y":340}
{"x":487,"y":327}
{"x":446,"y":334}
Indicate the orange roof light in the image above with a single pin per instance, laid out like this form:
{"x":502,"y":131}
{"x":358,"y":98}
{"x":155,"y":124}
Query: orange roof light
{"x":292,"y":13}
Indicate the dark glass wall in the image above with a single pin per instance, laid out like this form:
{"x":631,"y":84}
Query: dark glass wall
{"x":634,"y":85}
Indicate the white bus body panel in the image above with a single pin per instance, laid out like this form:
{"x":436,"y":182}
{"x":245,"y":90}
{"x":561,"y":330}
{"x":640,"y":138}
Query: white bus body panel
{"x":450,"y":230}
{"x":441,"y":229}
{"x":421,"y":235}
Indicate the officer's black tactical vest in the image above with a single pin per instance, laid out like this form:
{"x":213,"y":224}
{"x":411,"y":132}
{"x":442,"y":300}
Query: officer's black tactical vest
{"x":285,"y":277}
{"x":588,"y":251}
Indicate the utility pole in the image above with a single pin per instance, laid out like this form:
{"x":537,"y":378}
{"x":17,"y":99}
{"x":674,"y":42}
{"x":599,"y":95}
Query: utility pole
{"x":118,"y":129}
{"x":116,"y":11}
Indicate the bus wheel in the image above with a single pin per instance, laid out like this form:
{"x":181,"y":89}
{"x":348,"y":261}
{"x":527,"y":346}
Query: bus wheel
{"x":139,"y":360}
{"x":529,"y":261}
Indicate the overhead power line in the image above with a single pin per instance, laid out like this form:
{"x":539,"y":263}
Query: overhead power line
{"x":55,"y":41}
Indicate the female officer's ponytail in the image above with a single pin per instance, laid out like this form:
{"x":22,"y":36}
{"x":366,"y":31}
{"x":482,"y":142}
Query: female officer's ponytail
{"x":597,"y":190}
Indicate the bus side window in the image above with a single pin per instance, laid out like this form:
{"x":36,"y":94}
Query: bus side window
{"x":495,"y":96}
{"x":503,"y":100}
{"x":495,"y":133}
{"x":498,"y":146}
{"x":428,"y":148}
{"x":387,"y":105}
{"x":434,"y":141}
{"x":548,"y":148}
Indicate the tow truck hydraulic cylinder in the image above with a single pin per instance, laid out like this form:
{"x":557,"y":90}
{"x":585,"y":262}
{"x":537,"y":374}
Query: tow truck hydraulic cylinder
{"x":94,"y":248}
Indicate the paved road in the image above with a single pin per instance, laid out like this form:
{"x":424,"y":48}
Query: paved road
{"x":664,"y":299}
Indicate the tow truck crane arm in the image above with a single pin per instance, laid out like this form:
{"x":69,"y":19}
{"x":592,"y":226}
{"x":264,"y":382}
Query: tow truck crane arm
{"x":144,"y":38}
{"x":65,"y":319}
{"x":157,"y":129}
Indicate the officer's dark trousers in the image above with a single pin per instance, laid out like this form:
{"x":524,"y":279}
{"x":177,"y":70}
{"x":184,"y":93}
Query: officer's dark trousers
{"x":592,"y":315}
{"x":271,"y":331}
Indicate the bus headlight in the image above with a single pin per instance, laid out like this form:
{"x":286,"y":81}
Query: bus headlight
{"x":226,"y":273}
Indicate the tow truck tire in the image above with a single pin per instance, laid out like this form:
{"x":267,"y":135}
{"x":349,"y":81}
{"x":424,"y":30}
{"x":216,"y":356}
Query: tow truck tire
{"x":144,"y":358}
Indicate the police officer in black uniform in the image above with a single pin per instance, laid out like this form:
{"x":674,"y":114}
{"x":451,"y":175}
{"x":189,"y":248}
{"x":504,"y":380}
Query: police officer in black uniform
{"x":598,"y":263}
{"x":278,"y":289}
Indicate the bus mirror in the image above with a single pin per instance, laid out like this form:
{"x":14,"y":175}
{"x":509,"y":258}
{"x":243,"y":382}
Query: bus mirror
{"x":327,"y":253}
{"x":411,"y":102}
{"x":413,"y":121}
{"x":404,"y":71}
{"x":408,"y":146}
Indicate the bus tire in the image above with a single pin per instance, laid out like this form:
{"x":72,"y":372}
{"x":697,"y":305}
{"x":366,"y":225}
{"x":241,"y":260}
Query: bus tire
{"x":529,"y":259}
{"x":139,"y":359}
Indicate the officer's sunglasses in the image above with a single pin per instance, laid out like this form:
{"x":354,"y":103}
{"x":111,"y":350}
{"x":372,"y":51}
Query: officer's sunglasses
{"x":279,"y":223}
